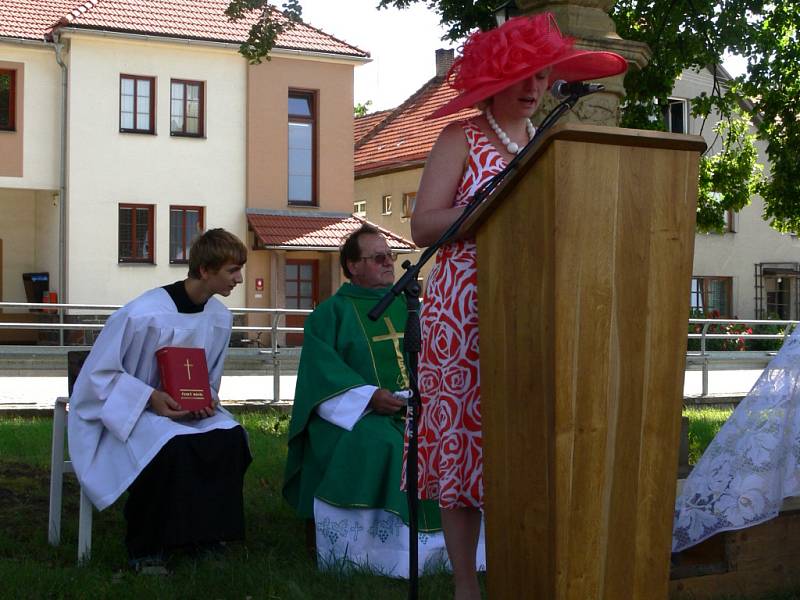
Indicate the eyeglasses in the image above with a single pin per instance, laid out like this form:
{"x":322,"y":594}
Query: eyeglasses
{"x":380,"y":257}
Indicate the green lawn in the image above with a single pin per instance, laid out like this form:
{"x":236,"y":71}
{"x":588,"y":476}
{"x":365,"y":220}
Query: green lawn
{"x":272,"y":563}
{"x":704,"y":423}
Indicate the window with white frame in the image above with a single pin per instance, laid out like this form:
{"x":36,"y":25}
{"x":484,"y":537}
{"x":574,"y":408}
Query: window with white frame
{"x":386,"y":205}
{"x":360,"y":208}
{"x":676,"y":115}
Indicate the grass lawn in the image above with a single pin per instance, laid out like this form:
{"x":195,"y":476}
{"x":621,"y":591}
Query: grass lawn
{"x":704,"y":423}
{"x":272,"y":563}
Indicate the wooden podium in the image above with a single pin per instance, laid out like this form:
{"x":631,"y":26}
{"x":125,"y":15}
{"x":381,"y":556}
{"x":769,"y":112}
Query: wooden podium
{"x":584,"y":268}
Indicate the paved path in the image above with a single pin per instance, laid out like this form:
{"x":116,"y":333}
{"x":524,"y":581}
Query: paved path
{"x":20,"y":393}
{"x":36,"y":393}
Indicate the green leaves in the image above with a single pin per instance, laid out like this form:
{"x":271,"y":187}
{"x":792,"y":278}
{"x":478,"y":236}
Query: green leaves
{"x":263,"y":34}
{"x":730,"y":178}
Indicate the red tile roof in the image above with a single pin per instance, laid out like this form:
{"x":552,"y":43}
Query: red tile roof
{"x":193,"y":19}
{"x":363,"y":125}
{"x":323,"y":231}
{"x":404,"y":137}
{"x":31,"y":19}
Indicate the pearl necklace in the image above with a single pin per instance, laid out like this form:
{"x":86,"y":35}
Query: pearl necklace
{"x":512,"y":147}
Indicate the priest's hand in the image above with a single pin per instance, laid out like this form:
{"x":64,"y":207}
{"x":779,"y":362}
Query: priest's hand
{"x":162,"y":404}
{"x":384,"y":402}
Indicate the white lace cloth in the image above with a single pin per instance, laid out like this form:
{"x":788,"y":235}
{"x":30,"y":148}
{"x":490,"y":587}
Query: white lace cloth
{"x":752,"y":463}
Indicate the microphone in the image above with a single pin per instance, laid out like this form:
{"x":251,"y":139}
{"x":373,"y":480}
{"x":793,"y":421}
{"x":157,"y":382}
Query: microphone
{"x":561,"y":89}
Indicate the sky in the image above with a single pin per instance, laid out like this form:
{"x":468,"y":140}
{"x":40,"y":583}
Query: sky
{"x":402,"y":45}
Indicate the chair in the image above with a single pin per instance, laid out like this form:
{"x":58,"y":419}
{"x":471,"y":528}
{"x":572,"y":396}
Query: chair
{"x":59,"y":466}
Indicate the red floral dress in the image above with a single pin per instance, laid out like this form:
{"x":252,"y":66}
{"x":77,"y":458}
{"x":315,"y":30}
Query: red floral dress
{"x":450,"y":450}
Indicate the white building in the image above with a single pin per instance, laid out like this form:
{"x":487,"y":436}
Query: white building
{"x":751,"y":270}
{"x":167,"y":128}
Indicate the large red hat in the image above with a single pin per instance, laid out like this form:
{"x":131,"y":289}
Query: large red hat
{"x":490,"y":61}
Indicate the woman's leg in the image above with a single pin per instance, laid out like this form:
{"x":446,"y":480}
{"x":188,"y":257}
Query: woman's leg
{"x":462,"y":527}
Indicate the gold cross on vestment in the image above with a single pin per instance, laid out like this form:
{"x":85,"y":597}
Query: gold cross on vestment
{"x":394,"y":336}
{"x":188,"y":366}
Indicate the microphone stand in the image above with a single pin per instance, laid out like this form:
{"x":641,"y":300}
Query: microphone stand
{"x":412,"y":338}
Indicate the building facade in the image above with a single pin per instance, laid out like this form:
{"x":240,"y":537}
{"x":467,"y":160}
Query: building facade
{"x":750,"y":270}
{"x":169,"y":131}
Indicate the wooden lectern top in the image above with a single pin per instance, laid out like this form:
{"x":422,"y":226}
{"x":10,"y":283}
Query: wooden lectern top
{"x":590,"y":134}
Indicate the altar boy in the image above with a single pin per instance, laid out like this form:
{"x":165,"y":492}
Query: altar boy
{"x":183,"y":470}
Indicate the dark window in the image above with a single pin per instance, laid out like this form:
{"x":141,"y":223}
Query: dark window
{"x":409,"y":202}
{"x":136,"y":233}
{"x":8,"y":99}
{"x":137,"y":104}
{"x":302,"y":291}
{"x":730,"y":221}
{"x":712,"y":295}
{"x":778,"y":296}
{"x":185,"y":224}
{"x":302,"y":150}
{"x":187,"y":108}
{"x":676,"y":114}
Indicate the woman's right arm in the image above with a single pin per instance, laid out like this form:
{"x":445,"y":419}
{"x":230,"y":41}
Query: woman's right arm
{"x":434,"y":211}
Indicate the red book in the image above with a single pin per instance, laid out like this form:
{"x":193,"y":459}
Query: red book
{"x":184,"y":376}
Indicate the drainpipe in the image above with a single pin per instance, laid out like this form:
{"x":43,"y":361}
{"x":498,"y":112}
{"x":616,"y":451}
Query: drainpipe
{"x":58,"y":46}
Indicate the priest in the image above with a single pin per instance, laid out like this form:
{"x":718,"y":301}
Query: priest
{"x":346,"y":431}
{"x":183,"y":470}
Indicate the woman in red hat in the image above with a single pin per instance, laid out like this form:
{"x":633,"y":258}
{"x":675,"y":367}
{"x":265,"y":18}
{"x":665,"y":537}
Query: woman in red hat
{"x":504,"y":72}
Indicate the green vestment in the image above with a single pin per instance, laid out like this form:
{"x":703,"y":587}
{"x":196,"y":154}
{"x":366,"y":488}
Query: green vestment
{"x":343,"y":349}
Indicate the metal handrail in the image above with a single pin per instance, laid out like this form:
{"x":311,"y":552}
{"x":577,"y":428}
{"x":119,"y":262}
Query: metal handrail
{"x":274,"y":351}
{"x":708,"y":357}
{"x":703,"y":336}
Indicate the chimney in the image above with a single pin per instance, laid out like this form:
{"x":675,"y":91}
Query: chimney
{"x":444,"y":60}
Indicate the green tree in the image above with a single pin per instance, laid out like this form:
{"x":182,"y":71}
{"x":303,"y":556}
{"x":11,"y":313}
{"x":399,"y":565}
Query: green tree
{"x":359,"y":110}
{"x":264,"y":32}
{"x":683,"y":34}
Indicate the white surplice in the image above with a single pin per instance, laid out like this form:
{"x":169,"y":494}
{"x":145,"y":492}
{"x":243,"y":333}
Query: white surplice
{"x":112,"y":433}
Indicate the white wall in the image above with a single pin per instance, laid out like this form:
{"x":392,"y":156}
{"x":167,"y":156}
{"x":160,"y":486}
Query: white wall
{"x":41,"y":105}
{"x":108,"y":167}
{"x":17,"y":230}
{"x":46,"y":235}
{"x":754,"y":241}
